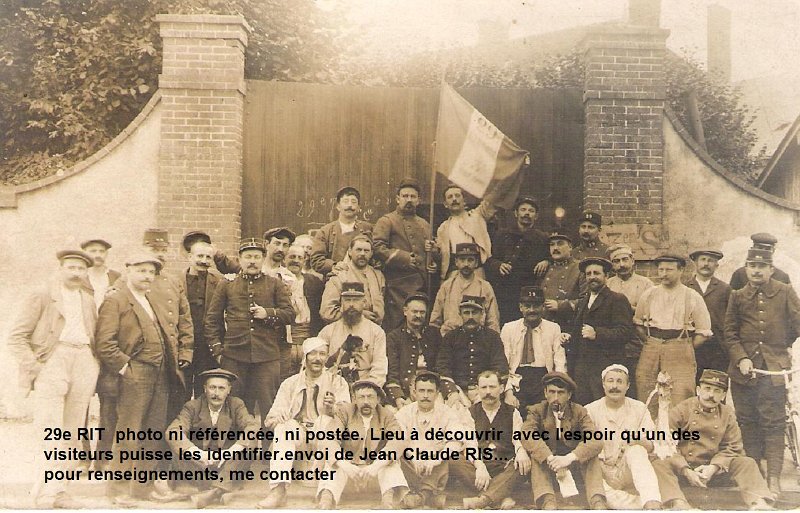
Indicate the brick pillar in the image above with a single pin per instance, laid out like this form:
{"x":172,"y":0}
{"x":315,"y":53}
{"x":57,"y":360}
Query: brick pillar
{"x":625,"y":88}
{"x":202,"y":94}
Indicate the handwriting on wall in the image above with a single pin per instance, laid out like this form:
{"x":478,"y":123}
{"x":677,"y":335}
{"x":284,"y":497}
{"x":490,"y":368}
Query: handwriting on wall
{"x":646,"y":240}
{"x":324,"y":208}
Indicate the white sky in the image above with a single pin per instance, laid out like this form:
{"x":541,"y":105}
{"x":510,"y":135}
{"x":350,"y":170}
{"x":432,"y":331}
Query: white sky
{"x":765,"y":39}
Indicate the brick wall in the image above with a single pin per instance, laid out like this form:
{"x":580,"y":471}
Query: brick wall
{"x":202,"y":87}
{"x":624,"y":99}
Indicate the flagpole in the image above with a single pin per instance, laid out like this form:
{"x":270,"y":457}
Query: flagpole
{"x":432,"y":198}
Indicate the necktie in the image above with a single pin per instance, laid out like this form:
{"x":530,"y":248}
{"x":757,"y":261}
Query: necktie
{"x":529,"y":356}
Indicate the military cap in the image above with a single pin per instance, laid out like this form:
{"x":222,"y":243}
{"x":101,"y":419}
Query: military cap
{"x":347,"y":191}
{"x":368,"y":383}
{"x":526,"y":199}
{"x":764,"y":239}
{"x":426,"y":375}
{"x":713,"y":253}
{"x":592,"y":217}
{"x":102,"y":242}
{"x":77,"y":254}
{"x":409,"y":182}
{"x":715,"y":377}
{"x":281,"y":232}
{"x":559,"y":379}
{"x":417,"y":297}
{"x":533,"y":295}
{"x":559,"y":235}
{"x":218,"y":373}
{"x":362,"y":236}
{"x":156,"y":237}
{"x":352,"y":289}
{"x":252,"y":243}
{"x":467,"y":249}
{"x":475,"y":301}
{"x":759,"y":255}
{"x":614,"y":367}
{"x":618,"y":250}
{"x":144,"y":258}
{"x":670,"y":257}
{"x":586,"y":262}
{"x":197,"y":236}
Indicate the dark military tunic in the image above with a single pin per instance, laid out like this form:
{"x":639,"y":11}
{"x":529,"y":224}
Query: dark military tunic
{"x":464,"y":355}
{"x":403,"y":350}
{"x":591,"y":249}
{"x":563,"y":282}
{"x":523,"y":250}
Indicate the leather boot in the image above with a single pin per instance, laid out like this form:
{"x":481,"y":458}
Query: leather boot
{"x":205,"y":498}
{"x":275,"y":499}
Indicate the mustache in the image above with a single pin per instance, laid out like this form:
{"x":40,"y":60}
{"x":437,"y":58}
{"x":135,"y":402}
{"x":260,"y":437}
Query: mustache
{"x":252,"y":266}
{"x":614,"y":390}
{"x":203,"y":264}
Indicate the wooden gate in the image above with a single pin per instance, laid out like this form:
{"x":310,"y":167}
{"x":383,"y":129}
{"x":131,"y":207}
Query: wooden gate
{"x":305,"y":141}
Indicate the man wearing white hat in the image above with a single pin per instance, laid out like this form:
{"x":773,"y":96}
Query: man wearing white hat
{"x":304,"y":402}
{"x":628,"y":477}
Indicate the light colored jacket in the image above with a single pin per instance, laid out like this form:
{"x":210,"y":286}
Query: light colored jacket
{"x":513,"y":337}
{"x":289,"y":398}
{"x":38,"y":326}
{"x":375,"y":285}
{"x":472,"y":224}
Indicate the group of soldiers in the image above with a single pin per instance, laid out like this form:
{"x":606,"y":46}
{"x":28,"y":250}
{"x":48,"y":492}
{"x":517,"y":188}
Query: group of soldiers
{"x":529,"y":332}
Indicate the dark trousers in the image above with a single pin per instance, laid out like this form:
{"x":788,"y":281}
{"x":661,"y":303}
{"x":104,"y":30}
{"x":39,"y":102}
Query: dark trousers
{"x":743,"y":471}
{"x":201,"y":361}
{"x":711,"y":355}
{"x":587,"y":376}
{"x":531,"y":391}
{"x":142,"y":405}
{"x":258,"y":383}
{"x":761,"y":413}
{"x":108,"y":421}
{"x":291,"y":358}
{"x":227,"y":484}
{"x":433,"y":484}
{"x":504,"y":478}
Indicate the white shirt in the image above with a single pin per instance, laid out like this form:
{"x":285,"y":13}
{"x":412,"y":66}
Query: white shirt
{"x":100,"y":284}
{"x":547,"y":349}
{"x":516,"y":423}
{"x":625,"y":418}
{"x":592,"y":297}
{"x":299,"y":302}
{"x":142,"y":299}
{"x":702,"y":282}
{"x":347,"y":228}
{"x":214,"y":415}
{"x":74,"y":330}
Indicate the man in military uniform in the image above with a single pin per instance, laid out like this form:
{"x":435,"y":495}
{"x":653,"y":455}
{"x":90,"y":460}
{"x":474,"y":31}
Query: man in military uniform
{"x":213,"y":409}
{"x":589,"y":243}
{"x":467,"y":351}
{"x":673,"y":320}
{"x":332,"y":240}
{"x":146,"y":342}
{"x":200,"y":281}
{"x":355,"y":268}
{"x":715,"y":292}
{"x":760,"y":241}
{"x":550,"y":458}
{"x":628,"y":282}
{"x":533,"y":347}
{"x":368,"y":357}
{"x":716,"y":457}
{"x":245,"y":325}
{"x":463,"y":226}
{"x":760,"y":324}
{"x":520,"y":254}
{"x":563,"y":281}
{"x":409,"y":349}
{"x":496,"y":478}
{"x":401,"y":242}
{"x":276,"y":243}
{"x":445,"y":313}
{"x":603,"y":324}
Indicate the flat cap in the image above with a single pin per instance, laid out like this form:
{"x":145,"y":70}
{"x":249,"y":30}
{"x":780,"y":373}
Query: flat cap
{"x":533,"y":295}
{"x":619,"y":250}
{"x":586,"y":262}
{"x":559,"y":235}
{"x":89,"y":242}
{"x":592,"y":217}
{"x":467,"y":249}
{"x":156,"y":237}
{"x":144,"y":257}
{"x":559,"y":379}
{"x":352,"y":289}
{"x":409,"y":182}
{"x":76,"y":254}
{"x":368,"y":383}
{"x":764,"y":238}
{"x":218,"y":373}
{"x":759,"y":255}
{"x":252,"y":243}
{"x":715,"y":377}
{"x":347,"y":191}
{"x":471,"y":301}
{"x":522,"y":200}
{"x":417,"y":297}
{"x":713,"y":253}
{"x":197,"y":236}
{"x":670,"y":257}
{"x":281,"y":232}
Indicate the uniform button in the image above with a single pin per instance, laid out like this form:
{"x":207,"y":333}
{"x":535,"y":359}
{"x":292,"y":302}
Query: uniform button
{"x":252,"y":329}
{"x":251,"y":320}
{"x":169,"y":301}
{"x":170,"y":313}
